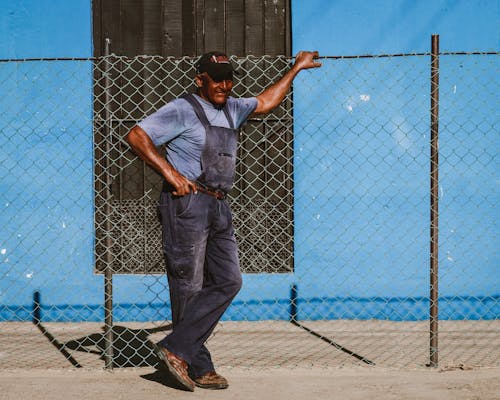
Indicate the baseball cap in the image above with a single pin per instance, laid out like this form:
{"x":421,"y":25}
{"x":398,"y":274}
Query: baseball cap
{"x":217,"y":65}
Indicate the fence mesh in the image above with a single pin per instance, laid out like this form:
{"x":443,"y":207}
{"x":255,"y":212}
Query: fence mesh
{"x":331,"y":209}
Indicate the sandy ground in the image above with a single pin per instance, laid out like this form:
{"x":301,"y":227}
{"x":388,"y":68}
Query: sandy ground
{"x":273,"y":384}
{"x":257,"y":345}
{"x":263,"y":360}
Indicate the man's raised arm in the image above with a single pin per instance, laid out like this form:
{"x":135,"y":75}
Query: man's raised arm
{"x":274,"y":94}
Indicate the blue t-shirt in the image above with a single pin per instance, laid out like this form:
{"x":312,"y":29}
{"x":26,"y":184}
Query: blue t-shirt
{"x":177,"y":125}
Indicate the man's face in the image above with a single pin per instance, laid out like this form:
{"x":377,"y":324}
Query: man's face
{"x":214,"y":92}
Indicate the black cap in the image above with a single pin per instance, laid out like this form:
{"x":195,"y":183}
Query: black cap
{"x":217,"y":65}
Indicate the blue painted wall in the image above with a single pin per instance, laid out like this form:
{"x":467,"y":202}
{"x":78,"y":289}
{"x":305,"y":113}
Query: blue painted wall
{"x":332,"y":196}
{"x":46,"y":198}
{"x":45,"y":28}
{"x":47,"y":234}
{"x":344,"y":27}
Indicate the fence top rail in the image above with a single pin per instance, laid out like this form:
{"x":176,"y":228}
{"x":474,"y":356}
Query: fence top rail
{"x":459,"y":53}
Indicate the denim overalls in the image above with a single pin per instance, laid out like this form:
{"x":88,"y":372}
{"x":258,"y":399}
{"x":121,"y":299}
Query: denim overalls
{"x":200,"y":249}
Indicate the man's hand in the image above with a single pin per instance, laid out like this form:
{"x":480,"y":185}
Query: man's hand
{"x":181,"y":184}
{"x":305,"y":60}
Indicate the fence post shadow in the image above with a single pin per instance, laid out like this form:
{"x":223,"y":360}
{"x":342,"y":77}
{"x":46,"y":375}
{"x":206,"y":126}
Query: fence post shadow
{"x":293,"y":320}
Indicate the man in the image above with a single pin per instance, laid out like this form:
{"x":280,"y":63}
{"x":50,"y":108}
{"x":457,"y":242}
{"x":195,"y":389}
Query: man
{"x":200,"y":132}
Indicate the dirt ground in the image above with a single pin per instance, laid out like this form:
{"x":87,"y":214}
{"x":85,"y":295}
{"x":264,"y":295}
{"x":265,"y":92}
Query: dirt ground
{"x":269,"y":360}
{"x":257,"y":345}
{"x":350,"y":383}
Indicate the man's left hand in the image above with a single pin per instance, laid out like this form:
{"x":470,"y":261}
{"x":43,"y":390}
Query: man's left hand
{"x":306,"y":60}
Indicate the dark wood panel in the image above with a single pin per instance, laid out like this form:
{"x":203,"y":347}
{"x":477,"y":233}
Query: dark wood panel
{"x":235,"y":27}
{"x":172,"y":28}
{"x":254,"y":27}
{"x":97,"y":33}
{"x":274,"y":23}
{"x":192,"y":27}
{"x":107,"y":24}
{"x":189,"y":45}
{"x":152,"y":27}
{"x":132,"y":22}
{"x":213,"y":25}
{"x":199,"y":10}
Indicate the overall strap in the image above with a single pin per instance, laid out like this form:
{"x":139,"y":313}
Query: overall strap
{"x":200,"y":113}
{"x":229,"y":119}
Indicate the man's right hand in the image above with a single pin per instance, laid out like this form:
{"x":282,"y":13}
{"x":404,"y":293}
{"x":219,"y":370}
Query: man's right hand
{"x":181,"y":184}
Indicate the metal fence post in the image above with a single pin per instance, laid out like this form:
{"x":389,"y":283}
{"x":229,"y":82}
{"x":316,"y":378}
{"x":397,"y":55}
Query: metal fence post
{"x":434,"y":203}
{"x":108,"y":274}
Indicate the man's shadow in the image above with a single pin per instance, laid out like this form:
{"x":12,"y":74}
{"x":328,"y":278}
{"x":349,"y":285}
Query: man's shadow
{"x":131,"y":348}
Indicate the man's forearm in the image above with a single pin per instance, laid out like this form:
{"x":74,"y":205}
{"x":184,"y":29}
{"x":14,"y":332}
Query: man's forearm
{"x":274,"y":94}
{"x":143,"y":146}
{"x":271,"y":97}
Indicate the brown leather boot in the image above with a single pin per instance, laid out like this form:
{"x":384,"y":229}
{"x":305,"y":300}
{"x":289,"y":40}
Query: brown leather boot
{"x":177,"y":367}
{"x":211,"y":380}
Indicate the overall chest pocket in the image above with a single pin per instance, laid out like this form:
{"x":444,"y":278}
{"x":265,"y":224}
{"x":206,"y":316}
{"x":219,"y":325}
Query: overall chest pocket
{"x":218,"y":160}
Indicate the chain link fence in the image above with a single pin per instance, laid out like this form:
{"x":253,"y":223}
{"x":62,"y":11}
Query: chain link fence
{"x":331,"y":209}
